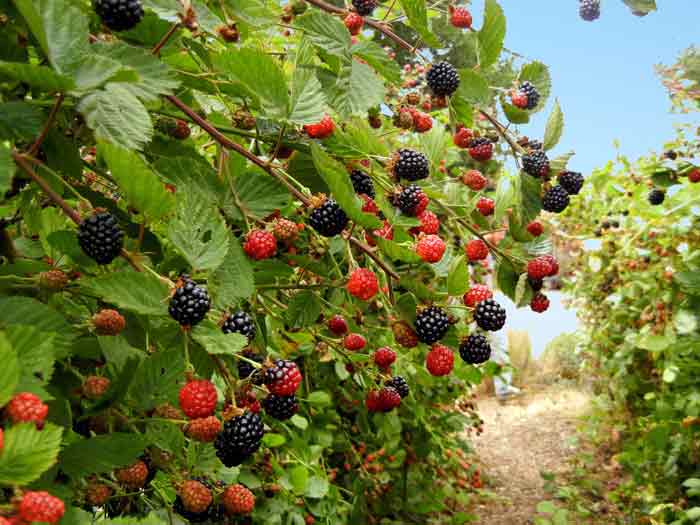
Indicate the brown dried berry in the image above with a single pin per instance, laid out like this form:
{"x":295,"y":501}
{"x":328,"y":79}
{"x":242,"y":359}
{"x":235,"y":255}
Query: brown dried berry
{"x":108,"y":322}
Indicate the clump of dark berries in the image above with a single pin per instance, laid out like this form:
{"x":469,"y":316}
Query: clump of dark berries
{"x":589,"y":10}
{"x":411,"y":200}
{"x":410,"y":165}
{"x":239,"y":323}
{"x":328,"y":219}
{"x":489,"y":315}
{"x":119,"y":15}
{"x":475,"y":349}
{"x":364,"y":7}
{"x":571,"y":181}
{"x":443,"y":79}
{"x":101,"y":238}
{"x":239,"y":439}
{"x":536,"y":164}
{"x":362,"y":183}
{"x":656,"y":197}
{"x":431,"y":324}
{"x":556,"y":199}
{"x":399,"y":384}
{"x":190,"y":303}
{"x":280,"y":407}
{"x":530,"y":91}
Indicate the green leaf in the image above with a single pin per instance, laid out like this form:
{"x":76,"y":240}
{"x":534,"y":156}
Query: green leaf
{"x":523,"y":292}
{"x":142,"y":293}
{"x":20,"y":120}
{"x":199,"y":232}
{"x":398,"y":252}
{"x":30,"y":13}
{"x":261,"y":75}
{"x":417,"y":13}
{"x":377,"y":57}
{"x":253,"y":12}
{"x":303,"y":309}
{"x":233,"y":280}
{"x":95,"y":71}
{"x":299,"y":422}
{"x":142,"y":188}
{"x":66,"y":30}
{"x":538,"y":74}
{"x":307,"y":102}
{"x":473,"y":87}
{"x":273,"y":440}
{"x":259,"y":194}
{"x":325,"y":31}
{"x":214,"y":341}
{"x":154,"y":77}
{"x":355,"y":139}
{"x":27,"y":452}
{"x":317,"y":487}
{"x":555,"y":127}
{"x":320,"y":398}
{"x":7,"y":169}
{"x":654,"y":343}
{"x":35,"y":357}
{"x":158,"y":379}
{"x":546,"y":507}
{"x":642,"y":7}
{"x":530,"y":202}
{"x":688,"y":281}
{"x":492,"y":34}
{"x":100,"y":454}
{"x":507,"y":278}
{"x":358,"y":88}
{"x":458,"y":278}
{"x":9,"y":373}
{"x":337,"y":179}
{"x":507,"y":194}
{"x":299,"y":477}
{"x":117,"y":116}
{"x":558,"y":164}
{"x":40,"y":77}
{"x":514,"y":114}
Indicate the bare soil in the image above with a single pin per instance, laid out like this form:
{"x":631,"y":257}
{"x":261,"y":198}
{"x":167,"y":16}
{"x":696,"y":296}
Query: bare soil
{"x":532,"y":434}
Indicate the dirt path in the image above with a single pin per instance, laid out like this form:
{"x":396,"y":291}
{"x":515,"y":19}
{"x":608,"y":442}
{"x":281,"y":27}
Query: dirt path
{"x":521,"y":439}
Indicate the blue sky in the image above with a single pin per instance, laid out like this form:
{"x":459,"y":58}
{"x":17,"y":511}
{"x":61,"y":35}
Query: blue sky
{"x":603,"y":71}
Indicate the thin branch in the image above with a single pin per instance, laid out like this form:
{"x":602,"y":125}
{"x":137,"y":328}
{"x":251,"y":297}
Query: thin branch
{"x":365,"y":248}
{"x":503,"y":133}
{"x":165,"y":38}
{"x":55,"y":197}
{"x":49,"y":122}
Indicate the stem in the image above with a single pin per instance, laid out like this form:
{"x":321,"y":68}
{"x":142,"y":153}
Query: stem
{"x":52,"y":116}
{"x":362,"y":246}
{"x":503,"y":133}
{"x":55,"y":197}
{"x":165,"y":38}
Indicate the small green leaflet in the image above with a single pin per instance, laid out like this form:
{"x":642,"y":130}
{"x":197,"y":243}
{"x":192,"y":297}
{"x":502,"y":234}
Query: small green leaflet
{"x":555,"y":127}
{"x":492,"y":34}
{"x":27,"y":452}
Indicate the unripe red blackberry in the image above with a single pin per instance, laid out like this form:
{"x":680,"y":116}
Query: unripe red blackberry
{"x":283,"y":378}
{"x":95,"y":387}
{"x":119,"y":15}
{"x":431,"y":324}
{"x":97,"y":494}
{"x":571,"y":181}
{"x":100,"y":237}
{"x":40,"y":506}
{"x":338,"y":325}
{"x":260,"y":244}
{"x":388,"y":399}
{"x":475,"y":349}
{"x":440,"y":360}
{"x":190,"y":303}
{"x":134,"y":476}
{"x":328,"y":219}
{"x":280,"y":407}
{"x":198,"y":399}
{"x":475,"y":294}
{"x":26,"y":407}
{"x":460,"y":17}
{"x":285,"y":230}
{"x":238,"y":500}
{"x":555,"y":200}
{"x":443,"y":79}
{"x":239,"y":439}
{"x":404,"y":334}
{"x":489,"y":315}
{"x":203,"y":429}
{"x":410,"y":165}
{"x":108,"y":322}
{"x":481,"y":149}
{"x":362,"y":183}
{"x":239,"y":323}
{"x":539,"y":303}
{"x":384,"y":357}
{"x":363,"y":284}
{"x":56,"y":280}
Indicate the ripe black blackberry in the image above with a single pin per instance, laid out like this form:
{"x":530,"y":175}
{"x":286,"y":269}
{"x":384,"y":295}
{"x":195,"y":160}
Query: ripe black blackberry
{"x":280,"y":407}
{"x":328,"y":219}
{"x":442,"y":79}
{"x":530,"y":91}
{"x":409,"y":199}
{"x":364,"y":7}
{"x":535,"y":284}
{"x":399,"y":384}
{"x":119,"y":15}
{"x":239,"y":323}
{"x":245,"y":369}
{"x":571,"y":181}
{"x":555,"y":200}
{"x":190,"y":303}
{"x":100,"y":237}
{"x":656,"y":196}
{"x":239,"y":439}
{"x":489,"y":315}
{"x":536,"y":164}
{"x":431,"y":324}
{"x":589,"y":10}
{"x":362,"y":183}
{"x":475,"y":349}
{"x":410,"y":165}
